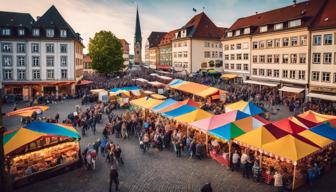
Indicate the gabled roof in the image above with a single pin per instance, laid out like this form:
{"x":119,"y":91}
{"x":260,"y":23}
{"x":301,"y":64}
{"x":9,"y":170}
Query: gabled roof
{"x":53,"y":19}
{"x":155,"y":38}
{"x":326,"y":17}
{"x":167,"y":38}
{"x":306,"y":11}
{"x":13,"y":19}
{"x":201,"y":26}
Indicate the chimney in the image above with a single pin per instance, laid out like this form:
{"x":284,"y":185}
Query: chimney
{"x":294,"y":2}
{"x":256,"y":12}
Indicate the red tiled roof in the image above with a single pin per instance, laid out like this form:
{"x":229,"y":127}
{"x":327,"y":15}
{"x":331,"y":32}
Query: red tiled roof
{"x":125,"y":45}
{"x":203,"y":27}
{"x":167,"y":38}
{"x":155,"y":38}
{"x":306,"y":10}
{"x":327,"y":16}
{"x":87,"y":59}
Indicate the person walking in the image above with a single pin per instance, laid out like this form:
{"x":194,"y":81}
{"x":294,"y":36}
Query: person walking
{"x":278,"y":181}
{"x":114,"y":177}
{"x":235,"y":160}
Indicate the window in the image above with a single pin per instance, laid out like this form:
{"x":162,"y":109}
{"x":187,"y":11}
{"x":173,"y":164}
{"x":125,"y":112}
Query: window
{"x":285,"y":42}
{"x":179,"y":54}
{"x":255,"y":45}
{"x":255,"y":72}
{"x":50,"y":61}
{"x":302,"y":57}
{"x":276,"y":58}
{"x":21,"y":74}
{"x":229,"y":34}
{"x":278,"y":26}
{"x":185,"y":54}
{"x":285,"y":74}
{"x":245,"y":67}
{"x":239,"y":56}
{"x":226,"y":57}
{"x":269,"y":43}
{"x":247,"y":31}
{"x":206,"y":54}
{"x":21,"y":61}
{"x":262,"y":44}
{"x":269,"y":72}
{"x":50,"y":74}
{"x":327,"y":58}
{"x":276,"y":73}
{"x":237,"y":33}
{"x":213,"y":54}
{"x":335,"y":58}
{"x":63,"y":33}
{"x":21,"y":48}
{"x":7,"y":74}
{"x":206,"y":44}
{"x":185,"y":64}
{"x":36,"y":32}
{"x":232,"y":66}
{"x":294,"y":41}
{"x":175,"y":54}
{"x":302,"y":75}
{"x":36,"y":61}
{"x":6,"y":32}
{"x":50,"y":33}
{"x":219,"y":63}
{"x":245,"y":45}
{"x":238,"y":46}
{"x":255,"y":59}
{"x":245,"y":56}
{"x":220,"y":54}
{"x":315,"y":76}
{"x":262,"y":59}
{"x":239,"y":67}
{"x":35,"y":48}
{"x":226,"y":47}
{"x":334,"y":78}
{"x":327,"y":39}
{"x":36,"y":74}
{"x":292,"y":74}
{"x":303,"y":40}
{"x":232,"y":46}
{"x":64,"y":73}
{"x":285,"y":58}
{"x":50,"y":48}
{"x":7,"y":61}
{"x":325,"y":77}
{"x":21,"y":32}
{"x":269,"y":58}
{"x":294,"y":23}
{"x":317,"y":40}
{"x":316,"y":58}
{"x":232,"y":56}
{"x":263,"y":28}
{"x":276,"y":43}
{"x":261,"y":72}
{"x":64,"y":48}
{"x":226,"y":66}
{"x":6,"y":47}
{"x":293,"y":58}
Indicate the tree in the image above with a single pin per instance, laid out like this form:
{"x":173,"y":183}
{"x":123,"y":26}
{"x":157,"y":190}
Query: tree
{"x":106,"y":53}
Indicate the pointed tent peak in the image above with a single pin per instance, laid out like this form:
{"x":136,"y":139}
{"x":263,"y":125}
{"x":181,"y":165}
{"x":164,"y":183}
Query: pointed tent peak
{"x":278,"y":133}
{"x":319,"y":140}
{"x":239,"y":105}
{"x":193,"y":116}
{"x":256,"y":138}
{"x":289,"y":126}
{"x":235,"y":115}
{"x":227,"y":132}
{"x":252,"y":109}
{"x":316,"y":117}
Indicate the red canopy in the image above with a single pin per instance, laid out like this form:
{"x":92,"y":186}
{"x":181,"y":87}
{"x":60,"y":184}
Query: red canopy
{"x":84,"y":82}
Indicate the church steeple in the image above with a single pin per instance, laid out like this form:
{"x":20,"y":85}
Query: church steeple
{"x":137,"y":40}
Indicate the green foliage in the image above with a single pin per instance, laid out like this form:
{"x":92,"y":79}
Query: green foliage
{"x":106,"y":53}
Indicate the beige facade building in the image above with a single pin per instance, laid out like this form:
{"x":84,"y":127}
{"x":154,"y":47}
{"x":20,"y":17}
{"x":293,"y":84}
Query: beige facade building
{"x":152,"y":50}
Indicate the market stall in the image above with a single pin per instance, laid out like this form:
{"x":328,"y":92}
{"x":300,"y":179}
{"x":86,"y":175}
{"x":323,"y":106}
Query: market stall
{"x":28,"y":111}
{"x":40,"y":148}
{"x":246,"y":107}
{"x":315,"y":117}
{"x":164,"y":104}
{"x":184,"y":109}
{"x":189,"y":102}
{"x":158,"y":96}
{"x":146,"y":102}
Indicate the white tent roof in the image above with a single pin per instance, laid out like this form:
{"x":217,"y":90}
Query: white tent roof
{"x":322,"y":96}
{"x":261,"y":83}
{"x":291,"y":89}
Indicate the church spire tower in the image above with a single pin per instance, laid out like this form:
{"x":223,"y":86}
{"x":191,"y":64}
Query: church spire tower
{"x":137,"y":40}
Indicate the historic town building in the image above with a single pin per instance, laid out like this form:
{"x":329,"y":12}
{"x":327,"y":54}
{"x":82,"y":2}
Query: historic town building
{"x":43,"y":56}
{"x":153,"y":48}
{"x":125,"y":50}
{"x":137,"y":40}
{"x":165,"y":46}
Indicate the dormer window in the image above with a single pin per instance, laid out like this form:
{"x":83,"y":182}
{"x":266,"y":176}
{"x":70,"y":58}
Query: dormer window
{"x":237,"y":33}
{"x":278,"y":26}
{"x":21,"y":32}
{"x":63,"y":33}
{"x":36,"y":32}
{"x":295,"y":23}
{"x":263,"y":29}
{"x":50,"y":33}
{"x":6,"y":32}
{"x":229,"y":34}
{"x":247,"y":30}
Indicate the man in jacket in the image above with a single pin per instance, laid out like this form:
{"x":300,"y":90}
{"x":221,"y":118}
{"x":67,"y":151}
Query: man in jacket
{"x":114,"y":177}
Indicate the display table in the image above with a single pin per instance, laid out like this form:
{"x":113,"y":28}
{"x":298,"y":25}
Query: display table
{"x":220,"y":159}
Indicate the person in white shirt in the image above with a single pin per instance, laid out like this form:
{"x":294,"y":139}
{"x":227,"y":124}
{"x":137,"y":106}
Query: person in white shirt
{"x":244,"y":159}
{"x":235,"y":160}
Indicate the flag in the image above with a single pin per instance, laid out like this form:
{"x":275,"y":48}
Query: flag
{"x":195,"y":10}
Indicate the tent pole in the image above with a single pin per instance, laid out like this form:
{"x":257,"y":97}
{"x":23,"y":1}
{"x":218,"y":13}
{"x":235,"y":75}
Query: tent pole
{"x":229,"y":151}
{"x":294,"y":175}
{"x":206,"y":143}
{"x":260,"y":161}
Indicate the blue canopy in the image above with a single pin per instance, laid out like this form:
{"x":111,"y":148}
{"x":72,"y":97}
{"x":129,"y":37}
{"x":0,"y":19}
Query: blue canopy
{"x":53,"y":129}
{"x":325,"y":130}
{"x":179,"y":111}
{"x":129,"y":88}
{"x":252,"y":109}
{"x":165,"y":104}
{"x":176,"y":82}
{"x":227,"y":132}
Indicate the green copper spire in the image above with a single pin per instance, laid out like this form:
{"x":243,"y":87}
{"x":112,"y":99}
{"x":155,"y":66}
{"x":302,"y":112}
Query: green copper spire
{"x":138,"y":37}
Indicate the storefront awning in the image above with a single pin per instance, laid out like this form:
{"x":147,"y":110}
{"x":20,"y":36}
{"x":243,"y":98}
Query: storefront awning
{"x":261,"y":83}
{"x":291,"y":89}
{"x":322,"y":96}
{"x":229,"y":76}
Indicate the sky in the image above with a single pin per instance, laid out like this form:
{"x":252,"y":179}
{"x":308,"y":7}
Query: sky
{"x":90,"y":16}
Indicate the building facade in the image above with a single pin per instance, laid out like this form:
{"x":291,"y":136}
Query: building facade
{"x":153,"y":42}
{"x":165,"y":46}
{"x":87,"y":64}
{"x":39,"y":57}
{"x":197,"y":46}
{"x":125,"y":49}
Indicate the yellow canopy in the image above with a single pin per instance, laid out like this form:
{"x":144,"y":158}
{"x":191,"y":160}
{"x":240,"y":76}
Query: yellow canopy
{"x":316,"y":138}
{"x":290,"y":148}
{"x":256,"y":138}
{"x":229,"y":76}
{"x":240,"y":105}
{"x":28,"y":111}
{"x":158,"y":96}
{"x":207,"y":92}
{"x":146,"y":102}
{"x":193,"y":116}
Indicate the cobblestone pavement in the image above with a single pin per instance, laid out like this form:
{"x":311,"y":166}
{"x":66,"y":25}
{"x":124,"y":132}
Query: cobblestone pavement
{"x":153,"y":171}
